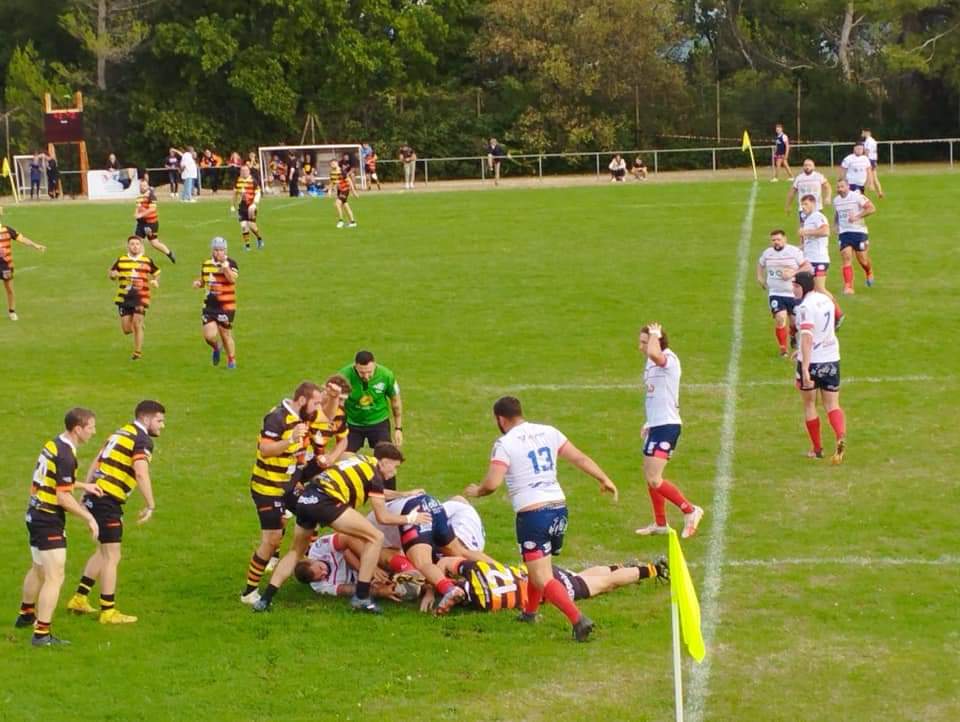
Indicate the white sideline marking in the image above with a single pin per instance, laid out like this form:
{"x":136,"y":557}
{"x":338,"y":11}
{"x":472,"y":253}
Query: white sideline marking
{"x":785,"y":381}
{"x":18,"y":269}
{"x":718,"y":511}
{"x":946,"y":560}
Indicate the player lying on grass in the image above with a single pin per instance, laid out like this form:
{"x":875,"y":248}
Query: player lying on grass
{"x":490,"y":587}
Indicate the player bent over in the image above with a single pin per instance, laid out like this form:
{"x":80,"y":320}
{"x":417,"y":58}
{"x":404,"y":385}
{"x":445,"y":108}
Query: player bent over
{"x":332,"y":499}
{"x":218,"y":274}
{"x":776,"y":267}
{"x":818,"y":366}
{"x":851,"y":207}
{"x":661,"y":377}
{"x":51,"y":495}
{"x":526,"y":457}
{"x":8,"y":234}
{"x":122,"y":464}
{"x":246,"y":191}
{"x":148,"y":219}
{"x":135,"y":274}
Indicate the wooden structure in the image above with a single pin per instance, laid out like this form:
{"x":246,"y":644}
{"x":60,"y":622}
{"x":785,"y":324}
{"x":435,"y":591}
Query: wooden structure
{"x":64,"y":126}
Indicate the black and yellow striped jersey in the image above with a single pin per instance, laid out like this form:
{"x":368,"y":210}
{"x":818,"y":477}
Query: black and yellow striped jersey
{"x":352,"y":480}
{"x":134,"y":279}
{"x":221,"y":291}
{"x":492,"y":587}
{"x":56,"y":470}
{"x":322,"y":429}
{"x":272,"y":474}
{"x":7,"y":234}
{"x":114,"y":470}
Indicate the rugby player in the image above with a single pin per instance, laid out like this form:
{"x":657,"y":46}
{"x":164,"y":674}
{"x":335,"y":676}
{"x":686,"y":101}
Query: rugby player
{"x":870,"y":148}
{"x":7,"y":235}
{"x":148,"y":220}
{"x":814,"y":238}
{"x":492,"y":586}
{"x":809,"y":181}
{"x":122,"y":464}
{"x":466,"y":523}
{"x":330,"y":568}
{"x":526,"y":457}
{"x":246,"y":192}
{"x":855,"y":168}
{"x":370,"y":163}
{"x":329,"y":423}
{"x":218,"y":275}
{"x":851,"y":207}
{"x":775,"y":269}
{"x":661,"y":431}
{"x":51,"y":495}
{"x":818,"y":365}
{"x":331,"y":499}
{"x":374,"y":397}
{"x":342,"y":183}
{"x":781,"y":154}
{"x":271,"y":482}
{"x":135,"y":274}
{"x":495,"y":156}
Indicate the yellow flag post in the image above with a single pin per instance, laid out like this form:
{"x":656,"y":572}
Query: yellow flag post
{"x":685,"y":612}
{"x":5,"y":173}
{"x":747,"y":146}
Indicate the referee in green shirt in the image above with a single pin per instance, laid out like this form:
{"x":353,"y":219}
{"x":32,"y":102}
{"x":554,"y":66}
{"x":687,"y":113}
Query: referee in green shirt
{"x":368,"y":411}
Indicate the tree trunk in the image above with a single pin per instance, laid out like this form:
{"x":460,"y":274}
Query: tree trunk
{"x":843,"y":51}
{"x":101,"y":44}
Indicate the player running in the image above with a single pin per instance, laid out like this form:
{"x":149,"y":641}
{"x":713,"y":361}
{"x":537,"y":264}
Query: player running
{"x":135,"y":274}
{"x":218,"y":275}
{"x":246,"y":192}
{"x":815,"y":238}
{"x":332,"y":499}
{"x":855,"y":168}
{"x":148,"y":219}
{"x":661,"y":431}
{"x":870,"y":148}
{"x":342,"y":183}
{"x":122,"y":464}
{"x":51,"y":495}
{"x":7,"y":235}
{"x":851,"y":207}
{"x":818,"y":366}
{"x":776,"y":267}
{"x":809,"y":181}
{"x":781,"y":154}
{"x":526,"y":457}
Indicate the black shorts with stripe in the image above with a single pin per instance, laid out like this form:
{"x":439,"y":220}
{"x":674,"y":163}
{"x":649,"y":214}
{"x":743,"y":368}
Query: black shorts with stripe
{"x":46,"y":531}
{"x":269,"y":510}
{"x":108,"y":512}
{"x":315,"y":508}
{"x":146,"y":230}
{"x":6,"y":271}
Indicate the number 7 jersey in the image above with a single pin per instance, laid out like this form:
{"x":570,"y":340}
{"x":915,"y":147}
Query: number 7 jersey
{"x":815,"y":315}
{"x":529,"y":452}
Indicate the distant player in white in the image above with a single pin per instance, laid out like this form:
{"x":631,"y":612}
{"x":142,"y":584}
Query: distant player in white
{"x":660,"y":433}
{"x":870,"y":148}
{"x":776,"y":268}
{"x":781,"y":153}
{"x":810,"y":182}
{"x":526,"y":457}
{"x":851,"y":207}
{"x":327,"y":570}
{"x":815,"y":241}
{"x":855,"y":168}
{"x":818,"y":366}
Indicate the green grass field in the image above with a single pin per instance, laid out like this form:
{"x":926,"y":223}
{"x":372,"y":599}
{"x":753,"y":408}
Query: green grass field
{"x":839,"y":596}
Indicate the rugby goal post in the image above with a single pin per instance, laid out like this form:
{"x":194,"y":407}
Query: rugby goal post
{"x":318,"y":155}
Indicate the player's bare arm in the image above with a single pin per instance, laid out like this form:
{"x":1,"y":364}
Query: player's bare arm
{"x":141,"y":469}
{"x":762,"y":275}
{"x":66,"y":500}
{"x":826,"y":192}
{"x":791,"y":194}
{"x":385,"y":517}
{"x":496,"y":473}
{"x":396,"y":408}
{"x":654,"y":352}
{"x":32,"y":244}
{"x":588,"y":466}
{"x":276,"y":447}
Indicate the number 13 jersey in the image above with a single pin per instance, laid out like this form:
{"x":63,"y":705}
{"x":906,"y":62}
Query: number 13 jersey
{"x":529,"y":453}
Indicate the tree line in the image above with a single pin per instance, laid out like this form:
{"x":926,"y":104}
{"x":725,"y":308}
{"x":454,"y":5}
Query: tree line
{"x":445,"y":75}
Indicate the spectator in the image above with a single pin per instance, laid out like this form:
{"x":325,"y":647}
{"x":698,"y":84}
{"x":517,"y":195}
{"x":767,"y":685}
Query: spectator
{"x":293,"y":174}
{"x":639,"y":170}
{"x":309,"y":175}
{"x":53,"y":178}
{"x":188,"y":173}
{"x":254,"y":163}
{"x":618,"y":169}
{"x":233,"y":169}
{"x":346,"y":164}
{"x":172,"y":164}
{"x":211,"y":162}
{"x":495,"y":154}
{"x":409,"y":158}
{"x":36,"y":173}
{"x":113,"y":164}
{"x":278,"y":171}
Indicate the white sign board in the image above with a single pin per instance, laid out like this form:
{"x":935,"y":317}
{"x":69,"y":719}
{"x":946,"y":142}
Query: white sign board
{"x":112,"y":184}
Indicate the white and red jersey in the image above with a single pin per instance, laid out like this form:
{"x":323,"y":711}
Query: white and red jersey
{"x":466,"y":524}
{"x":774,"y":262}
{"x":816,"y":248}
{"x":663,"y":391}
{"x":845,"y":206}
{"x":391,"y":532}
{"x":529,"y":452}
{"x":870,"y":148}
{"x":815,"y":316}
{"x":857,"y":168}
{"x":325,"y":550}
{"x":809,"y":184}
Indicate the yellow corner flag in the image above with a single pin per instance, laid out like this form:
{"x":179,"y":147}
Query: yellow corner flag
{"x":684,"y":595}
{"x":746,"y":146}
{"x":5,"y":172}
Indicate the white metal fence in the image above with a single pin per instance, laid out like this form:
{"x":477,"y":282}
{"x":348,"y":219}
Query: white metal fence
{"x":659,"y":160}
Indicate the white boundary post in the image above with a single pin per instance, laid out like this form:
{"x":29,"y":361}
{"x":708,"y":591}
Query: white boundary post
{"x":677,"y":669}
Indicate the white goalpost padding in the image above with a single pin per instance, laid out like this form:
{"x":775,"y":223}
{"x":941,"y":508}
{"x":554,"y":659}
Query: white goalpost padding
{"x":319,"y":156}
{"x":21,"y":175}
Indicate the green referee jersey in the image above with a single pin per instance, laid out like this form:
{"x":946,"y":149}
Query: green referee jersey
{"x":367,"y":404}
